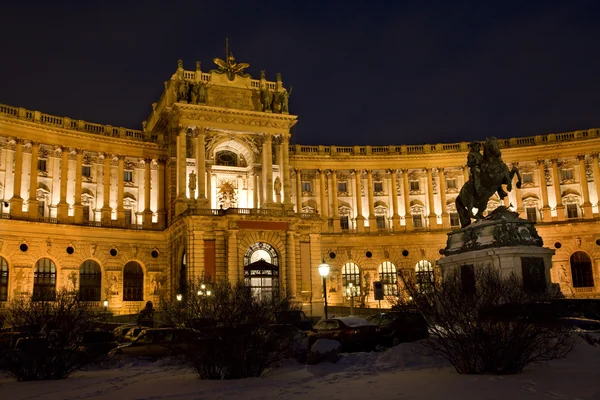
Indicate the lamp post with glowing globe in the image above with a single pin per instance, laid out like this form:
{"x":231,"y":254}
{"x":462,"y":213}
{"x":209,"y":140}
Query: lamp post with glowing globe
{"x":324,"y":272}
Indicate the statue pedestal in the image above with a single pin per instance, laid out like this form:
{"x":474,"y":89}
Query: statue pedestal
{"x":501,"y":240}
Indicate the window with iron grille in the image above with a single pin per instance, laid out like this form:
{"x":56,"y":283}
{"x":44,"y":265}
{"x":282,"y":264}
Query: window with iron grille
{"x":451,"y":183}
{"x":350,"y":274}
{"x":414,"y":186}
{"x":417,"y":220}
{"x":388,"y":277}
{"x":531,"y":214}
{"x":528,"y":177}
{"x":344,"y":223}
{"x":3,"y":279}
{"x":44,"y":280}
{"x":90,"y":281}
{"x":86,"y":171}
{"x":128,"y":176}
{"x":380,"y":219}
{"x":41,"y":208}
{"x":41,"y":165}
{"x":567,"y":174}
{"x":133,"y":282}
{"x":342,"y":187}
{"x":572,"y":211}
{"x":378,"y":187}
{"x":306,"y":187}
{"x":424,"y":275}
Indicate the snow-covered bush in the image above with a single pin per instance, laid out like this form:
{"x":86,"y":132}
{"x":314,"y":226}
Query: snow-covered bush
{"x":53,"y":328}
{"x":497,"y":328}
{"x":239,"y":334}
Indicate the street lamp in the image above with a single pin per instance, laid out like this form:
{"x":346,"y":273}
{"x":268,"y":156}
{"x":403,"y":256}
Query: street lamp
{"x":324,"y":271}
{"x":179,"y":296}
{"x":105,"y":303}
{"x":351,"y":291}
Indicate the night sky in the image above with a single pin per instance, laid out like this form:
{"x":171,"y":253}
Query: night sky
{"x":363,"y":72}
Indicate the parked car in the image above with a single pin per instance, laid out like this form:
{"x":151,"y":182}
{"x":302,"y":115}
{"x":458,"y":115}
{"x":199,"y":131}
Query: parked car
{"x":353,"y":333}
{"x":400,"y":326}
{"x":97,"y":343}
{"x":296,"y":317}
{"x":159,"y":342}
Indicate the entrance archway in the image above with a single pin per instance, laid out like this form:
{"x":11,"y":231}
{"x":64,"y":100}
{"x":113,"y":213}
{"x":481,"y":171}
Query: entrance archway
{"x":261,"y":270}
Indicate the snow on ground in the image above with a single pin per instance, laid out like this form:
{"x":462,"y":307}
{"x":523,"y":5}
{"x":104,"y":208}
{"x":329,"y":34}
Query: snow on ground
{"x":399,"y":373}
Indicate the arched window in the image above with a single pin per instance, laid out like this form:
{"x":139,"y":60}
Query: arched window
{"x":581,"y":270}
{"x":133,"y":282}
{"x":3,"y":279}
{"x":44,"y":280}
{"x":90,"y":281}
{"x":227,"y":158}
{"x":261,"y":270}
{"x":183,"y":274}
{"x":424,"y":275}
{"x":351,"y":275}
{"x":387,"y":276}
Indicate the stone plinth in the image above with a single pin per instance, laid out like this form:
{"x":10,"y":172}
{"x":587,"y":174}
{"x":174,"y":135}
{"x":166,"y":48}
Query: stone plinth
{"x":501,"y":240}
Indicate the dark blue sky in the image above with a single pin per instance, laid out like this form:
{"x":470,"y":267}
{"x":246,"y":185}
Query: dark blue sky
{"x":363,"y":72}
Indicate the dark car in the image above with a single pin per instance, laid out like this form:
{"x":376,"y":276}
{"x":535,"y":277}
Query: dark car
{"x":159,"y":342}
{"x":399,"y":326}
{"x":353,"y":333}
{"x":97,"y":343}
{"x":296,"y":317}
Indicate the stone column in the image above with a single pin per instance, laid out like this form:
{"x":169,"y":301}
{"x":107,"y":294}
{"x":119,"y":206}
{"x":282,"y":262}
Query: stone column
{"x":432,"y":216}
{"x":287,"y":183}
{"x":442,"y":189}
{"x":121,"y":191}
{"x":372,"y":218}
{"x":63,"y":206}
{"x":299,"y":191}
{"x":16,"y":202}
{"x":32,"y":202}
{"x":147,"y":215}
{"x":596,"y":170}
{"x":77,"y":206}
{"x":407,"y":214}
{"x":106,"y":210}
{"x":395,"y":216}
{"x":587,"y":206}
{"x":232,"y":256}
{"x":547,"y":217}
{"x":360,"y":219}
{"x":291,"y":263}
{"x":334,"y":202}
{"x":269,"y":171}
{"x":181,"y":203}
{"x":256,"y":189}
{"x":560,"y":209}
{"x":201,"y":168}
{"x":323,"y":195}
{"x":160,"y":200}
{"x":209,"y":186}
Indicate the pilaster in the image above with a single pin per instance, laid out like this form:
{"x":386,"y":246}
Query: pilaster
{"x":360,"y":219}
{"x":32,"y":202}
{"x":587,"y":206}
{"x":546,"y":214}
{"x":407,"y":214}
{"x":370,"y":197}
{"x":394,"y":185}
{"x":442,"y":189}
{"x":77,"y":206}
{"x":16,"y":202}
{"x":121,"y":191}
{"x":147,"y":215}
{"x":63,"y":206}
{"x":560,"y":208}
{"x":334,"y":199}
{"x":106,"y":211}
{"x":160,"y":203}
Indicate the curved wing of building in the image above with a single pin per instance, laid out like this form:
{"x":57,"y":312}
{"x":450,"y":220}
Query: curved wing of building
{"x":212,"y":189}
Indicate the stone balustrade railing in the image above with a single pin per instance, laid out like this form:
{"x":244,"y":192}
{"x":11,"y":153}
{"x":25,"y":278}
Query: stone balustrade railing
{"x":72,"y":124}
{"x":205,"y":77}
{"x":341,"y":151}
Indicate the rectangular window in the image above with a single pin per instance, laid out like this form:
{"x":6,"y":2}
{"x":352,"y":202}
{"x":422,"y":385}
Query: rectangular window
{"x":454,"y":220}
{"x":128,"y":176}
{"x":567,"y":174}
{"x":572,"y":211}
{"x":41,"y":208}
{"x":342,"y":187}
{"x":86,"y":213}
{"x":417,"y":221}
{"x":42,"y":165}
{"x":86,"y":171}
{"x":414,"y":186}
{"x":344,"y":223}
{"x":528,"y":177}
{"x":128,"y":216}
{"x":531,"y":214}
{"x":380,"y":219}
{"x":306,"y":187}
{"x":451,"y":183}
{"x":378,"y":187}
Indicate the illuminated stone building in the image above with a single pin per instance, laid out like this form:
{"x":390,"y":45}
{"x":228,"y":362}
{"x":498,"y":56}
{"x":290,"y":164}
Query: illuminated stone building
{"x":211,"y":187}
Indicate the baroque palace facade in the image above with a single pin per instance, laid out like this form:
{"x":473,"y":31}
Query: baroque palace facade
{"x":211,"y":188}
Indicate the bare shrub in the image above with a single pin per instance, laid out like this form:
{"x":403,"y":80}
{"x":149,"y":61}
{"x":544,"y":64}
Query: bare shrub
{"x":494,"y":326}
{"x":239,"y":336}
{"x":54,"y":328}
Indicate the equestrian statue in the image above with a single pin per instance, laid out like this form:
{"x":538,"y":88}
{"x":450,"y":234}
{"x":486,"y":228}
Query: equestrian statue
{"x":487,"y":175}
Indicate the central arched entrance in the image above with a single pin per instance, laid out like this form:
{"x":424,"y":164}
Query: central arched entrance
{"x":261,"y":270}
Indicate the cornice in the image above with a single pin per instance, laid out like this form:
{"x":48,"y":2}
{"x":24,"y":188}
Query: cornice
{"x":231,"y":116}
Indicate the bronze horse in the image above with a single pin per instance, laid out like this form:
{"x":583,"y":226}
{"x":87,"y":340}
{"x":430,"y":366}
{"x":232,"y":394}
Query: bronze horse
{"x":493,"y":174}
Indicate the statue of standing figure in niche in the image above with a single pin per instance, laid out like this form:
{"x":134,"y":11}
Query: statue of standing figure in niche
{"x":202,"y":93}
{"x":266,"y":99}
{"x":284,"y":100}
{"x":277,"y":186}
{"x":192,"y":181}
{"x":182,"y":91}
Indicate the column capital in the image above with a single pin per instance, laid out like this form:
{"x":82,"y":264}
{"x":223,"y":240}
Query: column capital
{"x":404,"y":171}
{"x":440,"y":170}
{"x":148,"y":160}
{"x":78,"y":151}
{"x":594,"y":155}
{"x":34,"y":142}
{"x":581,"y":157}
{"x":18,"y":140}
{"x":540,"y":162}
{"x":392,"y":170}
